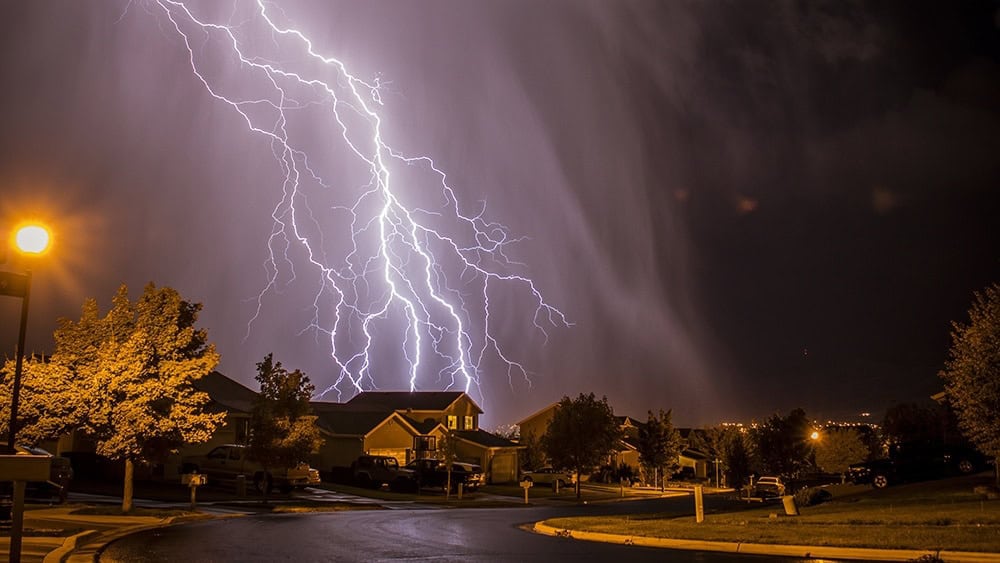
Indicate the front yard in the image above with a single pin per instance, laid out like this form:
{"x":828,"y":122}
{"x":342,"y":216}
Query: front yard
{"x":944,"y":515}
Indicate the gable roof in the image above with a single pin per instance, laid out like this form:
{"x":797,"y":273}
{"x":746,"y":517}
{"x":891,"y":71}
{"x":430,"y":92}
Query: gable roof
{"x":343,"y":419}
{"x":542,"y":411}
{"x":403,"y":400}
{"x":226,"y":394}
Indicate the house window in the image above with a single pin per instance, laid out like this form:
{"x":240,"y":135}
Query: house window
{"x":425,"y":443}
{"x":452,"y":422}
{"x":468,"y":423}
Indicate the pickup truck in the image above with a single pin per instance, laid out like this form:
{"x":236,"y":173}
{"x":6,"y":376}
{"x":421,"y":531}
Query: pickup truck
{"x":227,"y":462}
{"x":434,"y":473}
{"x":376,"y":470}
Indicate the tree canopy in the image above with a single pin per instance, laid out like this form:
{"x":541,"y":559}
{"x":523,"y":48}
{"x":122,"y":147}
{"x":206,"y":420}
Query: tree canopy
{"x":838,"y":448}
{"x":282,"y":428}
{"x":783,"y":443}
{"x":125,"y":379}
{"x":972,"y":372}
{"x":581,"y":435}
{"x":659,"y":444}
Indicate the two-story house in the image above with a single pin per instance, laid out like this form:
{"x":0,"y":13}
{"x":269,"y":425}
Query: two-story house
{"x":409,"y":425}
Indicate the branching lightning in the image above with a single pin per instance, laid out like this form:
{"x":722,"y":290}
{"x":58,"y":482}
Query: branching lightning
{"x":387,"y":269}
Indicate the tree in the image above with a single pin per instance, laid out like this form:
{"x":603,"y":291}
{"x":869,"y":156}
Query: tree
{"x":583,"y":433}
{"x":659,"y":445}
{"x":782,"y":443}
{"x":920,"y":422}
{"x":738,"y":460}
{"x":125,"y":379}
{"x":716,"y":441}
{"x":531,"y":457}
{"x":972,"y":372}
{"x":283,"y":430}
{"x":838,"y":448}
{"x":448,"y":454}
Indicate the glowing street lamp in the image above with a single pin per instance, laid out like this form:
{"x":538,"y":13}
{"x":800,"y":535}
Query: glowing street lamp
{"x":815,"y":435}
{"x":29,"y":239}
{"x":32,"y":239}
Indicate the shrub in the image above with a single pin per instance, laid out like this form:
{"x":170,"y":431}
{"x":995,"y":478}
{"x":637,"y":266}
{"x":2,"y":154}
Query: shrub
{"x":812,"y":496}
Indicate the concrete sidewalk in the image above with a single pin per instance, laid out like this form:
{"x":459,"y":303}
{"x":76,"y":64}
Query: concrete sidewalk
{"x":88,"y":533}
{"x":817,"y":552}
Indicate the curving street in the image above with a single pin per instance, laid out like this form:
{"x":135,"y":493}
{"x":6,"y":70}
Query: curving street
{"x":410,"y":533}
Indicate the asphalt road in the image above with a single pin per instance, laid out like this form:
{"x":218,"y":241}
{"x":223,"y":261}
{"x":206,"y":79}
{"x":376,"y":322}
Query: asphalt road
{"x":406,"y":534}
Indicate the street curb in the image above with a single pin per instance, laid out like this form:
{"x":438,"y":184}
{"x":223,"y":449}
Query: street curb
{"x":67,"y":547}
{"x":88,"y":551}
{"x":820,"y":552}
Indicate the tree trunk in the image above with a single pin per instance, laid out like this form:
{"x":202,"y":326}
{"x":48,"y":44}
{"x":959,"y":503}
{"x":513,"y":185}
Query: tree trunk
{"x":127,"y":493}
{"x":578,"y":493}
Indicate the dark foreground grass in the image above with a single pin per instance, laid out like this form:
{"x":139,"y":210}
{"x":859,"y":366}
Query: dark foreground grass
{"x":945,"y":515}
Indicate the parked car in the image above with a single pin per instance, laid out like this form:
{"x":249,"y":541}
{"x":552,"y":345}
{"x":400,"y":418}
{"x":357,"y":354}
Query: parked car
{"x":918,"y":461}
{"x":228,"y":462}
{"x":376,"y":470}
{"x":769,"y":486}
{"x":434,"y":473}
{"x":549,"y":476}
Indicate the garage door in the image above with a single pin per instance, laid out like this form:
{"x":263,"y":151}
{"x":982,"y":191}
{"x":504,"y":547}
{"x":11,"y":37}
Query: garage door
{"x":504,"y":469}
{"x":398,"y":453}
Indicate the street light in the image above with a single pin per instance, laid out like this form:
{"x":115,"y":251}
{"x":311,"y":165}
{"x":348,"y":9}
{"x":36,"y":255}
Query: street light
{"x":30,"y":239}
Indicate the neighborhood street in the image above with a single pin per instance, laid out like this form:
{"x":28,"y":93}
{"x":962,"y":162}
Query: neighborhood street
{"x":411,"y":533}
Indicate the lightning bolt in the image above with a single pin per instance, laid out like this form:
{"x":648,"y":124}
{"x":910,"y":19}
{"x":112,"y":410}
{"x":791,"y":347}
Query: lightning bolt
{"x":386,"y":268}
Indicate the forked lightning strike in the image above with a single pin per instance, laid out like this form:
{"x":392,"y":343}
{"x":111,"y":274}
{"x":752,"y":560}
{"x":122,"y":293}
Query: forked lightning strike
{"x":434,"y":267}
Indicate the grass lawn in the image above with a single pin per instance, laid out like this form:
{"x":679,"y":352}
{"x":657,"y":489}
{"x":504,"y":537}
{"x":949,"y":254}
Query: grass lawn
{"x":943,"y":515}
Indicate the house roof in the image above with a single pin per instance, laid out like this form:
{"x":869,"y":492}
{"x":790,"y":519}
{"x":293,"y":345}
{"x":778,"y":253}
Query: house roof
{"x":484,"y":438}
{"x":425,"y":427}
{"x":226,"y":393}
{"x":339,"y":418}
{"x":412,"y":400}
{"x":540,"y":412}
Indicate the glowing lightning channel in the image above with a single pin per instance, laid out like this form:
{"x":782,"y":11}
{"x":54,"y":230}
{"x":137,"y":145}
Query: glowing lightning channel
{"x":398,"y":260}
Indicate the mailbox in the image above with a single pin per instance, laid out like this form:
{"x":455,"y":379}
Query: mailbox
{"x":25,"y":467}
{"x":194,"y":479}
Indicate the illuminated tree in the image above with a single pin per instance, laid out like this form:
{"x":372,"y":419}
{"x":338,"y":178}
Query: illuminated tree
{"x":659,"y":445}
{"x":838,"y":448}
{"x":125,"y":379}
{"x":972,"y":372}
{"x":582,"y":434}
{"x":283,"y":430}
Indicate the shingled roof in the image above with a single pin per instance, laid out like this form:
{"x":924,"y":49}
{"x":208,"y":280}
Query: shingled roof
{"x":350,"y":420}
{"x":226,"y":394}
{"x":485,"y":439}
{"x":403,"y":400}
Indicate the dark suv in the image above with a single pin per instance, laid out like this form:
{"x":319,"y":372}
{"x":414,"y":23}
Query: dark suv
{"x":918,"y":461}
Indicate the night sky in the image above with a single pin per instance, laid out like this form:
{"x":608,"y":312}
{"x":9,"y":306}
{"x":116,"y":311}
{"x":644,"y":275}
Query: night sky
{"x":741,"y":207}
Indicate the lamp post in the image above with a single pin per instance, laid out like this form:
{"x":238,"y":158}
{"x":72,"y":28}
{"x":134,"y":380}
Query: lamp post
{"x":29,"y":239}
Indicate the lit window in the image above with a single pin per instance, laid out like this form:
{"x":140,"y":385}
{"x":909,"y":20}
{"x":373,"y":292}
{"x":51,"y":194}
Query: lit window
{"x":468,"y":423}
{"x":452,"y":422}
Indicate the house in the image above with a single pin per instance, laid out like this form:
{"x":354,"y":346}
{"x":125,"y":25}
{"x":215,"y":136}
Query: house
{"x":408,"y":426}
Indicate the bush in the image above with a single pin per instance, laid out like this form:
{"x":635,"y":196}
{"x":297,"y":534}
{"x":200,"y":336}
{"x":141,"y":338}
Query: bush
{"x":812,"y":496}
{"x":614,"y":475}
